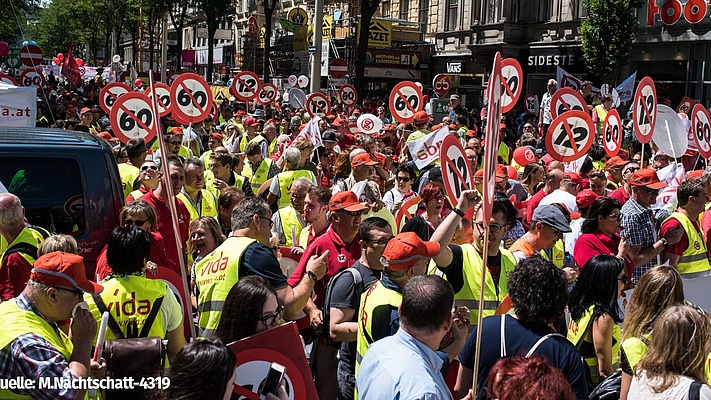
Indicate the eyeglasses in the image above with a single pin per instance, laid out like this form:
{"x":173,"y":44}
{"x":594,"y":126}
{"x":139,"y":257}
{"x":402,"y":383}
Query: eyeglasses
{"x":272,"y":319}
{"x":271,"y":223}
{"x":174,"y":143}
{"x":403,"y":179}
{"x":651,"y":191}
{"x":381,"y":242}
{"x":353,"y":213}
{"x":136,"y":222}
{"x":616,"y":217}
{"x":78,"y":293}
{"x":630,"y":170}
{"x":147,"y":167}
{"x":494,"y":228}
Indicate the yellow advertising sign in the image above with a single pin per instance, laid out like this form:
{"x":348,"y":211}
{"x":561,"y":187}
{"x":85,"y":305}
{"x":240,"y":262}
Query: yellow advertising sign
{"x":297,"y":16}
{"x":220,"y":93}
{"x":379,"y":34}
{"x":327,"y":28}
{"x":260,"y":37}
{"x":301,"y":38}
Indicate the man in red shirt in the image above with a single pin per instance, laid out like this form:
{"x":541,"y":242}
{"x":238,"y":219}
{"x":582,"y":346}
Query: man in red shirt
{"x":158,"y":198}
{"x":622,"y":193}
{"x":553,"y":179}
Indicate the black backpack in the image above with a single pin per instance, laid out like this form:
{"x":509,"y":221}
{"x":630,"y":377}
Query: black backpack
{"x":326,"y":312}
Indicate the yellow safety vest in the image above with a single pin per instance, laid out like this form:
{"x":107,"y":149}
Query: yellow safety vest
{"x":385,"y":214}
{"x":243,"y":142}
{"x":578,"y":333}
{"x":128,"y":174}
{"x":558,"y":252}
{"x":17,"y":322}
{"x":208,"y":205}
{"x":376,"y":296}
{"x":694,"y":259}
{"x":272,"y":146}
{"x":210,"y":184}
{"x":214,"y":276}
{"x":258,"y":177}
{"x":286,"y":178}
{"x":289,"y":218}
{"x":258,"y":139}
{"x":27,"y":235}
{"x":634,"y":349}
{"x":130,"y":298}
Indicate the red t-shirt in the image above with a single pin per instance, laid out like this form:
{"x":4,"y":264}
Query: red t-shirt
{"x":620,"y":195}
{"x":532,"y":204}
{"x":14,"y":274}
{"x":165,"y":224}
{"x":340,"y":256}
{"x":592,"y":244}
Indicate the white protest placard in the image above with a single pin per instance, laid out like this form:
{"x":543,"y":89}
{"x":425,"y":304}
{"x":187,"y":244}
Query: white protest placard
{"x":18,"y":105}
{"x":426,"y":149}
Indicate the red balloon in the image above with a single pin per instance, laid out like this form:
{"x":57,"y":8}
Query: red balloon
{"x":524,"y":155}
{"x":80,"y":62}
{"x":56,"y":60}
{"x":138,"y":83}
{"x":60,"y":56}
{"x":4,"y":49}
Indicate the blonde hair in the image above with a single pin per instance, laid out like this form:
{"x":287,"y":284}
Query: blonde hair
{"x":657,"y":289}
{"x":58,"y":242}
{"x":680,"y":345}
{"x":210,"y":225}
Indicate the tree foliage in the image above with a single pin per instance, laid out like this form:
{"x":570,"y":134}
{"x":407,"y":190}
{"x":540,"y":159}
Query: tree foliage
{"x":15,"y":15}
{"x":215,"y":13}
{"x":608,"y":34}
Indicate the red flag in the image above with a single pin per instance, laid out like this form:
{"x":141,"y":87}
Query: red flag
{"x":70,"y":69}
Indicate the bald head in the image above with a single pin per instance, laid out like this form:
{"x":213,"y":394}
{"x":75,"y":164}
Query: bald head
{"x":12,"y":214}
{"x":355,"y":152}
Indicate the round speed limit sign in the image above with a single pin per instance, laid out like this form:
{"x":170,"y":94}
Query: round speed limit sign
{"x":566,"y":99}
{"x":570,"y":136}
{"x":109,"y":94}
{"x":8,"y":79}
{"x":612,"y":133}
{"x":348,"y":95}
{"x":245,"y":86}
{"x":317,"y":103}
{"x":645,"y":109}
{"x":132,"y":118}
{"x":163,"y":98}
{"x":701,"y":128}
{"x":190,"y":98}
{"x":512,"y":81}
{"x":267,"y":93}
{"x":456,"y":170}
{"x":31,"y":77}
{"x":405,"y":101}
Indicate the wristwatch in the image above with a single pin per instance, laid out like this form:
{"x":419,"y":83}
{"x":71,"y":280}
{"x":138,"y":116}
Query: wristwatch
{"x":665,"y":242}
{"x":311,"y":275}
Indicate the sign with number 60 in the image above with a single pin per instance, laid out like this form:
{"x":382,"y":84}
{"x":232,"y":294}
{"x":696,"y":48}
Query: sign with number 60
{"x":348,"y":95}
{"x":612,"y":133}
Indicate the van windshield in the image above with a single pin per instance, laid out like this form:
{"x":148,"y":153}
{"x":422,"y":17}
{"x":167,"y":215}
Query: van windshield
{"x":50,"y":190}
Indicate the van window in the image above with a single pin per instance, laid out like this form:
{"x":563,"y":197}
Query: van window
{"x":50,"y":190}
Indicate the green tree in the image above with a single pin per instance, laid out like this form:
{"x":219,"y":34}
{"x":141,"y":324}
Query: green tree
{"x":608,"y":34}
{"x":269,"y":8}
{"x":15,"y":17}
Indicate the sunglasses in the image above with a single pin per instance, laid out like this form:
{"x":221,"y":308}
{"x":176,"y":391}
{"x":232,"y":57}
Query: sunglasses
{"x":147,"y":167}
{"x":651,"y":191}
{"x":271,"y":223}
{"x":403,"y":179}
{"x":353,"y":213}
{"x":136,"y":222}
{"x":381,"y":242}
{"x":78,"y":293}
{"x":494,"y":228}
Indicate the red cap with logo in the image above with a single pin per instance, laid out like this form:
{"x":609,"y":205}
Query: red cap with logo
{"x":362,"y":159}
{"x":405,"y":250}
{"x":346,"y":201}
{"x":65,"y":270}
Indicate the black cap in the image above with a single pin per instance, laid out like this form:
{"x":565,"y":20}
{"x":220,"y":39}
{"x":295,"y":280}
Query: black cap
{"x":436,"y":174}
{"x":329,"y":136}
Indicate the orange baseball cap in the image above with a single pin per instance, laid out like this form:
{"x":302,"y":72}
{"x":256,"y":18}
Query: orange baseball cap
{"x":65,"y":270}
{"x":405,"y":250}
{"x":346,"y":201}
{"x":362,"y":159}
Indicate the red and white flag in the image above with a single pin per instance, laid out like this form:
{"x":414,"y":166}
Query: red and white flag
{"x":70,"y":68}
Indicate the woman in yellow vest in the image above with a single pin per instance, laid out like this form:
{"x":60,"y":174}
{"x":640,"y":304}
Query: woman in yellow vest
{"x":131,"y":298}
{"x":595,"y":315}
{"x":205,"y":236}
{"x":658,"y":289}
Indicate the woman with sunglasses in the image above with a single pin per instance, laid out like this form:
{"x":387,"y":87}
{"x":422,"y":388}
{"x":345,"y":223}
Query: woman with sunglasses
{"x":140,"y":214}
{"x":149,"y":180}
{"x":595,"y":314}
{"x":600,"y":232}
{"x":402,"y":192}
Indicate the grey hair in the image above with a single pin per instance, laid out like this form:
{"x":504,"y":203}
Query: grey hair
{"x":194,"y":162}
{"x":706,"y":177}
{"x":37,"y":287}
{"x":246,"y":210}
{"x":292,"y":156}
{"x":11,"y":215}
{"x":302,"y":182}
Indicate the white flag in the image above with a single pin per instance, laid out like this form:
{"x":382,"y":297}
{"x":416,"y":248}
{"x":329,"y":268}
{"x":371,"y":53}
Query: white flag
{"x":426,"y":149}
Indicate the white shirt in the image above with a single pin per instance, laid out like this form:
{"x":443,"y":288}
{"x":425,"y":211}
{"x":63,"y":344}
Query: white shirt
{"x":562,"y":197}
{"x":641,"y":388}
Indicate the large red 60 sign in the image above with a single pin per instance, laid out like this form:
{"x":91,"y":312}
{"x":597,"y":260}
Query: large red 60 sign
{"x":670,"y":11}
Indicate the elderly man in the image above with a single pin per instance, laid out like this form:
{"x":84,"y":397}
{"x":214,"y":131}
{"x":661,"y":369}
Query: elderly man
{"x":199,"y":201}
{"x":571,"y":184}
{"x":406,"y":365}
{"x":288,"y":222}
{"x":548,"y":225}
{"x":246,"y":252}
{"x":281,"y":184}
{"x":18,"y":246}
{"x":552,"y":182}
{"x":32,"y":346}
{"x":362,"y":168}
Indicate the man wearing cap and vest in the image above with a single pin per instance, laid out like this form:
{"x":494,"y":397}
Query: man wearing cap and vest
{"x":281,"y":184}
{"x":199,"y":202}
{"x":689,"y":255}
{"x":462,"y":265}
{"x":258,"y":168}
{"x":244,"y":253}
{"x":18,"y":246}
{"x":362,"y":167}
{"x":31,"y":344}
{"x":288,"y":222}
{"x":250,"y":134}
{"x":614,"y":167}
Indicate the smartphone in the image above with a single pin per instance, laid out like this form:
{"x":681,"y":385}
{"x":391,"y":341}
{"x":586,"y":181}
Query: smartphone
{"x":271,"y":383}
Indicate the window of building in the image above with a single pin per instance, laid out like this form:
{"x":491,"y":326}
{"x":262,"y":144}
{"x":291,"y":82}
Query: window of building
{"x":545,"y":10}
{"x":405,"y":10}
{"x":493,"y":11}
{"x":451,"y":15}
{"x":385,"y":9}
{"x":423,"y":15}
{"x":581,"y":9}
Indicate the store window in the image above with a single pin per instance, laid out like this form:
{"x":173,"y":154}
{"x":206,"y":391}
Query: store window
{"x":451,"y":15}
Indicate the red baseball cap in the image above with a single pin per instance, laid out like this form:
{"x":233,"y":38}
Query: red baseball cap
{"x":175,"y":130}
{"x":405,"y":250}
{"x":362,"y":159}
{"x":614,"y":162}
{"x":573,"y":177}
{"x":65,"y":270}
{"x":421,"y":118}
{"x":85,"y":110}
{"x":251,"y":121}
{"x":694,"y":175}
{"x":346,"y":201}
{"x":646,"y":177}
{"x":337,"y":122}
{"x":501,"y":173}
{"x":585,"y":198}
{"x":217,"y":136}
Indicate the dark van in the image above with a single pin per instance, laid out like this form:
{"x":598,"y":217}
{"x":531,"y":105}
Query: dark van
{"x":67,"y":181}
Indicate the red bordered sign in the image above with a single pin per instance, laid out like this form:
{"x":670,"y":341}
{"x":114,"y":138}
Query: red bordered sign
{"x":132,"y":118}
{"x":406,"y":212}
{"x":32,"y":77}
{"x":512,"y":81}
{"x":318,"y":103}
{"x":369,"y":123}
{"x":405,"y":101}
{"x":267,"y":93}
{"x":456,"y":170}
{"x":570,"y":136}
{"x":109,"y":94}
{"x":530,"y":102}
{"x":701,"y":128}
{"x":171,"y":77}
{"x":5,"y":78}
{"x":566,"y":99}
{"x":441,"y":84}
{"x":492,"y":136}
{"x":163,"y":96}
{"x":348,"y":95}
{"x":245,"y":86}
{"x":645,"y":109}
{"x":190,"y":98}
{"x":612,"y":133}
